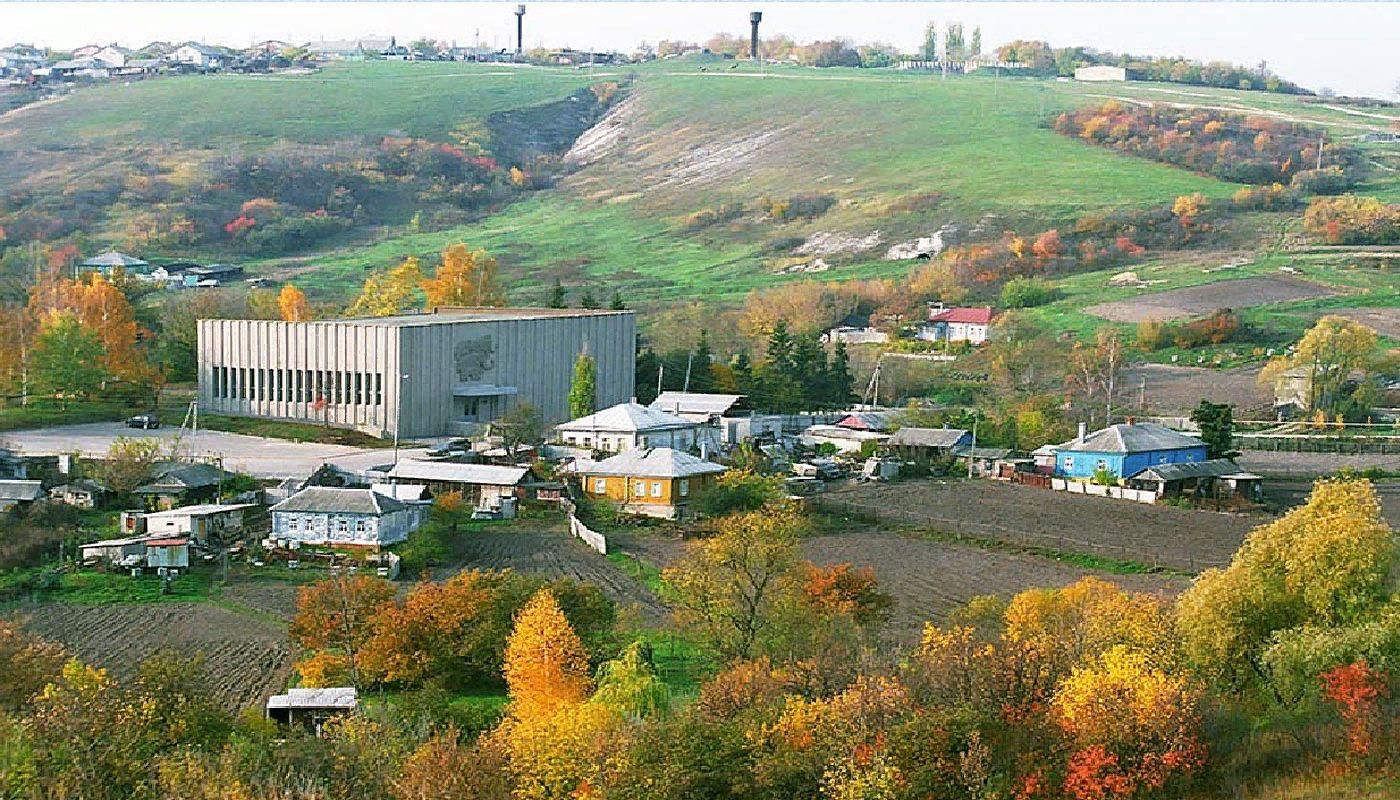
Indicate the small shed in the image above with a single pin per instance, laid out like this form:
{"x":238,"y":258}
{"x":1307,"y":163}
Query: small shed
{"x":845,"y":440}
{"x":168,"y":553}
{"x":482,"y":484}
{"x":312,"y":708}
{"x":985,"y":460}
{"x":129,"y":551}
{"x":176,"y":483}
{"x":702,"y":407}
{"x":19,"y":492}
{"x":1218,"y":478}
{"x":205,"y":523}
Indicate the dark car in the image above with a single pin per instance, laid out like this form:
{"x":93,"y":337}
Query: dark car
{"x":146,"y":421}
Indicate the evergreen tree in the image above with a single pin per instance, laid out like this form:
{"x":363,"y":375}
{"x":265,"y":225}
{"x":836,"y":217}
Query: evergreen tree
{"x":809,"y":370}
{"x":929,"y":50}
{"x":557,"y":297}
{"x":587,"y":299}
{"x":702,"y":379}
{"x":839,"y":379}
{"x":743,"y":372}
{"x":616,"y":303}
{"x":1217,"y":428}
{"x":648,"y":370}
{"x":976,"y":47}
{"x":583,"y":391}
{"x":780,"y":349}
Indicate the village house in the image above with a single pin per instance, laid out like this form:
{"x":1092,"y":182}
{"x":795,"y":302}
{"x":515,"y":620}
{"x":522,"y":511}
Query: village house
{"x":845,"y":440}
{"x":111,"y":261}
{"x":927,"y":444}
{"x":15,"y":493}
{"x":176,"y":484}
{"x":414,"y":495}
{"x":112,"y":55}
{"x":207,"y":523}
{"x":848,"y":334}
{"x":956,"y":325}
{"x":879,"y":421}
{"x":1125,"y":449}
{"x":347,"y":49}
{"x":81,"y":493}
{"x":655,"y":482}
{"x":626,"y":426}
{"x":199,"y":56}
{"x":326,"y":515}
{"x":483,"y":486}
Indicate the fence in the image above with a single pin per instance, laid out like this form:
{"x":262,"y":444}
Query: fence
{"x":590,"y":537}
{"x":1116,"y":492}
{"x":1372,"y":445}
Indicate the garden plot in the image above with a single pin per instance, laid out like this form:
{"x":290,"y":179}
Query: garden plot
{"x":1194,"y":301}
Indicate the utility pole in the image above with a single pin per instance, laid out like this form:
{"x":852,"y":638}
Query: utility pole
{"x":972,"y":454}
{"x":688,"y":362}
{"x":1320,"y":139}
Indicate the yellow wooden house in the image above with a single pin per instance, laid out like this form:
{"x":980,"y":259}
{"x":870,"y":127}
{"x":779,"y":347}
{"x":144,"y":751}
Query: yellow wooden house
{"x":656,"y":482}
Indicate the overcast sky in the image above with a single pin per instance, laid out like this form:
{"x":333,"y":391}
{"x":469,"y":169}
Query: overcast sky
{"x":1350,"y":47}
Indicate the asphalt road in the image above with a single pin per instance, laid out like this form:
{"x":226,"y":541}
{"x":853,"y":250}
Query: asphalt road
{"x":253,"y":455}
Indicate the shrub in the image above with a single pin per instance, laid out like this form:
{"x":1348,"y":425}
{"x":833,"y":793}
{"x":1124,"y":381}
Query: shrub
{"x":1328,"y":180}
{"x":1028,"y":292}
{"x":706,"y":217}
{"x":801,"y":206}
{"x":739,"y":490}
{"x":1353,"y":220}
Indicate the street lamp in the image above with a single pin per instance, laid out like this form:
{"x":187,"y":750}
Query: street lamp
{"x":398,"y":416}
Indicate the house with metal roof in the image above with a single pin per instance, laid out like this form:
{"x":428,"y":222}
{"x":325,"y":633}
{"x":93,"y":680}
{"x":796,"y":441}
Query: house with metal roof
{"x":328,"y":515}
{"x":175,"y":483}
{"x":19,"y":492}
{"x":927,"y":444}
{"x":111,"y":261}
{"x":957,"y":324}
{"x":1125,"y":450}
{"x":701,"y":407}
{"x":628,"y":426}
{"x":845,"y":440}
{"x":81,"y":493}
{"x":1218,"y":478}
{"x":205,"y":523}
{"x":482,"y":485}
{"x":656,"y":482}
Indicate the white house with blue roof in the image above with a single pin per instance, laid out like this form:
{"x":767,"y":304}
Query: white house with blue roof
{"x":1125,"y":450}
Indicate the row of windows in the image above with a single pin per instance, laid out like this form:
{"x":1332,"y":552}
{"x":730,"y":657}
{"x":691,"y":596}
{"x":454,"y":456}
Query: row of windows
{"x":639,"y":488}
{"x":342,"y":525}
{"x":298,"y":386}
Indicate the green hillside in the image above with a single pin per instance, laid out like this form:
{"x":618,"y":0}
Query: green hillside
{"x":896,"y":155}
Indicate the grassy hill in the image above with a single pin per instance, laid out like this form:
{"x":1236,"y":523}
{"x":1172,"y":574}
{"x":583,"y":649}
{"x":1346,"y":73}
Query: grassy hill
{"x":898,"y":156}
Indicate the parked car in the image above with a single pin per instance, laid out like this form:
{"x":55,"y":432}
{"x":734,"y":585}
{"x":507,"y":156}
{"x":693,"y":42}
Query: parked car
{"x":144,"y":421}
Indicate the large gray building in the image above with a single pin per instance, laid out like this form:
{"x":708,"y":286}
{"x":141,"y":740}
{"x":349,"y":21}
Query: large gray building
{"x":428,"y":374}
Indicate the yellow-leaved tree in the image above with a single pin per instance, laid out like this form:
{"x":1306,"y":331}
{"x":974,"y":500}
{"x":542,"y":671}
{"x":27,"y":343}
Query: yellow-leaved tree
{"x":466,"y":278}
{"x":1322,"y":567}
{"x":388,"y":292}
{"x":291,"y":302}
{"x":546,"y":665}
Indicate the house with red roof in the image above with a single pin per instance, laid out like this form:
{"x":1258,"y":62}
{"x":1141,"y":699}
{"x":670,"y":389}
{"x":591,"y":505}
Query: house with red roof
{"x":962,"y":324}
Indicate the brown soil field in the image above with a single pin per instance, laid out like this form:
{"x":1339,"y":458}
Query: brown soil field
{"x":556,"y":554}
{"x":245,"y":659}
{"x":1193,"y":301}
{"x":1293,"y":493}
{"x":1308,"y":465}
{"x":929,"y":578}
{"x":1021,"y":515}
{"x":1385,"y":321}
{"x":1176,"y":391}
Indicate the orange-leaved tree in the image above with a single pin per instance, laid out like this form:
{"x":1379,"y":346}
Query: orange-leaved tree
{"x":546,"y":665}
{"x":335,"y":615}
{"x":291,"y":302}
{"x":465,"y":278}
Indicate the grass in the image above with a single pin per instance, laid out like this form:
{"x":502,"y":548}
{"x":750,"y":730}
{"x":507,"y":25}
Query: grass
{"x":644,"y":573}
{"x":276,"y":429}
{"x":46,"y":414}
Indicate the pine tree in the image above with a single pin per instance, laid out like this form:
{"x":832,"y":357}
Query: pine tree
{"x":648,"y":365}
{"x":557,"y":296}
{"x":809,"y":370}
{"x":583,"y":391}
{"x":546,"y":666}
{"x":839,"y":379}
{"x":588,"y":299}
{"x":929,"y":50}
{"x":616,"y":303}
{"x":743,"y":372}
{"x":780,"y":349}
{"x":701,"y":378}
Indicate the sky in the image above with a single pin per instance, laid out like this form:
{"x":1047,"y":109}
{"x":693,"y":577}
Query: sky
{"x":1346,"y":46}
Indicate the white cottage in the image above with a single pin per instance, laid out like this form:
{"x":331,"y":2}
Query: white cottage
{"x":342,"y":517}
{"x":628,"y":426}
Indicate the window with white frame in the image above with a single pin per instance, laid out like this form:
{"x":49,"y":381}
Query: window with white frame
{"x":600,"y":485}
{"x":293,"y":523}
{"x":685,"y":487}
{"x":359,"y":526}
{"x":342,"y":525}
{"x":656,"y":488}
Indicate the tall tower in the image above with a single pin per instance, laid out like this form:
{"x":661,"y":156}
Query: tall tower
{"x":520,"y":29}
{"x":755,"y":17}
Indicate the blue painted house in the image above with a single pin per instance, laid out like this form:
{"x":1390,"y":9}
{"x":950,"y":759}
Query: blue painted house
{"x":1125,"y":450}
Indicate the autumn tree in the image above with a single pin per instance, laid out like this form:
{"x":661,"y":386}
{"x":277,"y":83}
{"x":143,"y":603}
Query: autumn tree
{"x":128,"y":463}
{"x":583,"y":388}
{"x":335,"y":614}
{"x":27,"y":663}
{"x":727,"y":586}
{"x":1095,"y":370}
{"x":388,"y":292}
{"x":1321,"y":566}
{"x":291,"y":302}
{"x":546,"y":666}
{"x":1330,"y":352}
{"x":443,"y":768}
{"x":68,"y":357}
{"x":629,"y":685}
{"x":465,"y":278}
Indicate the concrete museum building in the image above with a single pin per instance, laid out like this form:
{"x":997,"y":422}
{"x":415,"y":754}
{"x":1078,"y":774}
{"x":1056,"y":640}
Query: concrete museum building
{"x":427,"y":374}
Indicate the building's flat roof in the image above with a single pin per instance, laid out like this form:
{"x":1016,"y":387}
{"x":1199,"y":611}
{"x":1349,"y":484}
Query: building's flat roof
{"x":331,"y":697}
{"x":449,"y":316}
{"x":450,"y":472}
{"x":202,"y":510}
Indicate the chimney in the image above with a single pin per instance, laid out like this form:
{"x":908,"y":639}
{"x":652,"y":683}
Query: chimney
{"x":1083,"y":432}
{"x":520,"y":29}
{"x":755,"y":17}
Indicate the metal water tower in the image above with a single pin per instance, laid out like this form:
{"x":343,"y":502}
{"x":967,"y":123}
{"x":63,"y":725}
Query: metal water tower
{"x":755,"y":17}
{"x":520,"y":29}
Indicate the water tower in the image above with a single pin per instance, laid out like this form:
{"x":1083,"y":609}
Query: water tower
{"x":520,"y":29}
{"x":755,"y":17}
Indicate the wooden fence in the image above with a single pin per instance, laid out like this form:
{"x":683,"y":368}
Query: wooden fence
{"x":590,"y":537}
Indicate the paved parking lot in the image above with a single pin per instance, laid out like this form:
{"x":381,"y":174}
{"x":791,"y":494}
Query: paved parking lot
{"x":253,"y":455}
